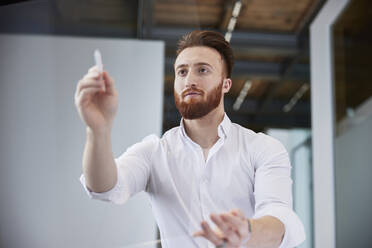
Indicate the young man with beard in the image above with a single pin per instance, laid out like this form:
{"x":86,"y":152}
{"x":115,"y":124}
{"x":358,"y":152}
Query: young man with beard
{"x":208,"y":177}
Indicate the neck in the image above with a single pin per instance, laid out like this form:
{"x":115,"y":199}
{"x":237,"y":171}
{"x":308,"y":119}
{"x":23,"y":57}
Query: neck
{"x":204,"y":131}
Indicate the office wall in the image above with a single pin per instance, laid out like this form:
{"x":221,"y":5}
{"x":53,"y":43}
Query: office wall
{"x":42,"y":138}
{"x":353,"y":178}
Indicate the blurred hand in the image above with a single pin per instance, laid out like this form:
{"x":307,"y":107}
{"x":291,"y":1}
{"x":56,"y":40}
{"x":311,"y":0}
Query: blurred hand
{"x":96,"y":100}
{"x":233,"y":229}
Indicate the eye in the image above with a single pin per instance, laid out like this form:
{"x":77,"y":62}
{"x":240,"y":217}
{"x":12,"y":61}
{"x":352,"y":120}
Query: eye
{"x":203,"y":70}
{"x":181,"y":72}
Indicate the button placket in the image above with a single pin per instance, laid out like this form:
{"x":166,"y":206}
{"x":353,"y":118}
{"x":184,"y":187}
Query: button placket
{"x":215,"y":148}
{"x":204,"y":192}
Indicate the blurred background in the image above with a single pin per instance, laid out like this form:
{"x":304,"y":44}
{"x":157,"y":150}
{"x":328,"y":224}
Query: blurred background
{"x":301,"y":75}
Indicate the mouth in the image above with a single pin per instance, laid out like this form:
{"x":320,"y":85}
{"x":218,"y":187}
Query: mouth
{"x":192,"y":93}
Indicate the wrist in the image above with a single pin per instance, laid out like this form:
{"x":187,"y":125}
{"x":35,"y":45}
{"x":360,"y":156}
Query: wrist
{"x":249,"y":225}
{"x":98,"y":132}
{"x":99,"y":128}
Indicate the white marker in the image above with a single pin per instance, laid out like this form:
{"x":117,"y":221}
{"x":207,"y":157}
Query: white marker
{"x":98,"y":60}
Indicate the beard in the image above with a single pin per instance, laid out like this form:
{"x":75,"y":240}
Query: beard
{"x":195,"y":108}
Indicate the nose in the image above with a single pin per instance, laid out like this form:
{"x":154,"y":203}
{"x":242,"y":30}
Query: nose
{"x":191,"y":80}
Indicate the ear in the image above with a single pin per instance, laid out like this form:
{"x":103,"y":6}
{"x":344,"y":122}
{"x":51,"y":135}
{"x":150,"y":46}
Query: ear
{"x":226,"y":85}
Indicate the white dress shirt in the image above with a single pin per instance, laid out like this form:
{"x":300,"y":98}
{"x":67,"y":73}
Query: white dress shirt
{"x":245,"y":170}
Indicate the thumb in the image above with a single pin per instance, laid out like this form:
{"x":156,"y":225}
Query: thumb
{"x":109,"y":83}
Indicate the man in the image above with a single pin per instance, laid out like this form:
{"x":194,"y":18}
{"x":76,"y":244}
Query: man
{"x":225,"y":184}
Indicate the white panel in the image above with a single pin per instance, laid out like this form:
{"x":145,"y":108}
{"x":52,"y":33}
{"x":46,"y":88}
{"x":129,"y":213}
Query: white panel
{"x":42,"y":139}
{"x":353,"y":158}
{"x":322,"y":113}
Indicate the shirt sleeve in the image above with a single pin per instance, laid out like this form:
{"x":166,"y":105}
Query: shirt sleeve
{"x":273,"y":189}
{"x":133,"y":172}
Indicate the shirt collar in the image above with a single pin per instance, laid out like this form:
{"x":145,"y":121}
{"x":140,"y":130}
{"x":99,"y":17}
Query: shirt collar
{"x":223,"y":127}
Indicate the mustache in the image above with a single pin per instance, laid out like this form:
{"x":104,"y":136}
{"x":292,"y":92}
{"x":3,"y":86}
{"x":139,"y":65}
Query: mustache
{"x":191,"y":90}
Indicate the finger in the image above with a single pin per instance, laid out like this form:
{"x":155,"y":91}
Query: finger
{"x":91,"y":78}
{"x":89,"y":92}
{"x":93,"y":68}
{"x":86,"y":94}
{"x":238,"y":212}
{"x":91,"y":75}
{"x":198,"y":233}
{"x":239,"y":225}
{"x":232,"y":220}
{"x":109,"y":83}
{"x":202,"y":233}
{"x":89,"y":83}
{"x":229,"y":233}
{"x":222,"y":225}
{"x":79,"y":92}
{"x":210,"y":234}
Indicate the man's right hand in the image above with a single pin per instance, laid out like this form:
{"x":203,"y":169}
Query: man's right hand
{"x":96,"y":100}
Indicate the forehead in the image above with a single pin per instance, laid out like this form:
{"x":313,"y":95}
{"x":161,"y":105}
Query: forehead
{"x":199,"y":54}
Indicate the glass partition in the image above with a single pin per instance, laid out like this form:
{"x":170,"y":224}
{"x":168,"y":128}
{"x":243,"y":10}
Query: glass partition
{"x":352,"y":53}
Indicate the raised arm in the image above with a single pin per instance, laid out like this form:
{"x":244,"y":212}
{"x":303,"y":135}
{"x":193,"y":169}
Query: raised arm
{"x":96,"y":100}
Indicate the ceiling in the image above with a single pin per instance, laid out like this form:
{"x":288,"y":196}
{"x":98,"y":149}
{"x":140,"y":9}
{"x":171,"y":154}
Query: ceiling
{"x":270,"y":43}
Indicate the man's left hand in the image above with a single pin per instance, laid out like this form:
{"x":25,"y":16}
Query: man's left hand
{"x":233,"y":229}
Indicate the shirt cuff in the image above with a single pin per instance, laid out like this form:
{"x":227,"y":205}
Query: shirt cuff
{"x":294,"y":230}
{"x":118,"y":194}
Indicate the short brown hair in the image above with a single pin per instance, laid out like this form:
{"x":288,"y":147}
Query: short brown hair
{"x":210,"y":39}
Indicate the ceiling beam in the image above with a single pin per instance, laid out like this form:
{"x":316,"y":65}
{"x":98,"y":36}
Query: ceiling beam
{"x":285,"y":44}
{"x":250,"y":38}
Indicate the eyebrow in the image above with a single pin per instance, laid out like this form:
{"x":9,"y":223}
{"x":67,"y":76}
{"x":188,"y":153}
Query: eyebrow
{"x":199,"y":63}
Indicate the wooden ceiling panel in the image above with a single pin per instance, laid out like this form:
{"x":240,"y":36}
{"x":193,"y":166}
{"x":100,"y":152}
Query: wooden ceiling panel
{"x":287,"y":90}
{"x":259,"y":57}
{"x":172,"y":13}
{"x":257,"y":90}
{"x":236,"y":86}
{"x":262,"y":15}
{"x":273,"y":15}
{"x":185,"y":20}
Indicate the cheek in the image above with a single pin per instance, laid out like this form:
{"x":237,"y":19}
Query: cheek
{"x":178,"y":85}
